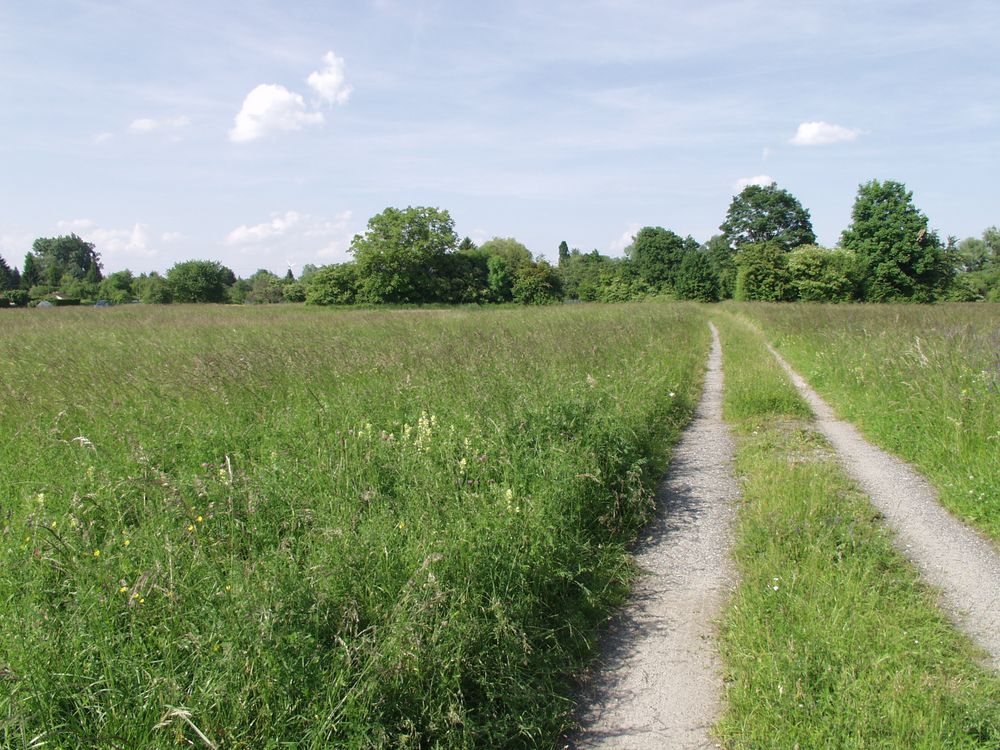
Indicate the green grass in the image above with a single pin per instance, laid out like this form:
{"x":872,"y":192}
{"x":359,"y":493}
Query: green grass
{"x":922,"y":382}
{"x":294,"y":527}
{"x":830,"y":639}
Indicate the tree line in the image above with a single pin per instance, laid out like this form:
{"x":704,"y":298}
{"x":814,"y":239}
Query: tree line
{"x":766,"y":250}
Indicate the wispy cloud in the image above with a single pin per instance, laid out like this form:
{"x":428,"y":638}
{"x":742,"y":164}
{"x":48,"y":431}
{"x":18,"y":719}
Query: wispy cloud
{"x":150,"y":124}
{"x":822,"y":133}
{"x":300,"y":236}
{"x":763,"y":180}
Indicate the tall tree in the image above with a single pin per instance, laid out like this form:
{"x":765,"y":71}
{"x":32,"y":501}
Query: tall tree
{"x":7,"y":276}
{"x":69,"y":255}
{"x":399,"y":257}
{"x":563,"y":252}
{"x":767,"y":213}
{"x":656,"y":254}
{"x":31,"y":275}
{"x":900,"y":259}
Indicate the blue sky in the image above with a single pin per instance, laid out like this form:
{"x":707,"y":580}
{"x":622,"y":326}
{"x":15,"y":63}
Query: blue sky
{"x":265,"y":134}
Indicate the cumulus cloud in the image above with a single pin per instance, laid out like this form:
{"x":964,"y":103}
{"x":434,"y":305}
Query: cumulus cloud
{"x":330,"y":84}
{"x":302,"y":237}
{"x":822,"y":133}
{"x":271,"y":108}
{"x":763,"y":180}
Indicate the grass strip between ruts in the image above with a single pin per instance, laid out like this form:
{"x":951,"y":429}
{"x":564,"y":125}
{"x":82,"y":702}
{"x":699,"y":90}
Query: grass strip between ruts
{"x":831,"y":640}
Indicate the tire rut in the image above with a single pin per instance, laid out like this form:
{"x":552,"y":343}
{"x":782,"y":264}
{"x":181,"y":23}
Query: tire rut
{"x":963,"y":565}
{"x":658,"y":683}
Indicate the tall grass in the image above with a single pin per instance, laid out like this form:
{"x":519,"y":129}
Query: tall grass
{"x":923,"y":382}
{"x":830,"y":640}
{"x":252,"y":528}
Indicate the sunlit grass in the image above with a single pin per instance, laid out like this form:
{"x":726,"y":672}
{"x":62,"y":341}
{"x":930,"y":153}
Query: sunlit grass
{"x":354,"y":529}
{"x":830,"y":640}
{"x":923,"y":382}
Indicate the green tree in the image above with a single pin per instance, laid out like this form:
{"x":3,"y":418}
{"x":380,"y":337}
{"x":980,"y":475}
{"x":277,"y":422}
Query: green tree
{"x":7,"y":278}
{"x":337,"y":284}
{"x":266,"y":288}
{"x":399,"y":257}
{"x":767,"y":213}
{"x":762,"y":273}
{"x":722,"y":256}
{"x":200,"y":281}
{"x":563,"y":252}
{"x":56,"y":257}
{"x":499,"y":279}
{"x":656,"y":254}
{"x":467,"y":246}
{"x":900,"y":259}
{"x":696,"y":279}
{"x":117,"y":287}
{"x":152,"y":289}
{"x":515,"y":253}
{"x":821,"y":275}
{"x":31,"y":275}
{"x":536,"y":284}
{"x":294,"y":292}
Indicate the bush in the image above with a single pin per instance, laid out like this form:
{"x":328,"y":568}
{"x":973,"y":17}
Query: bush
{"x":14,"y":298}
{"x":820,"y":275}
{"x":762,"y":273}
{"x":333,"y":285}
{"x":696,"y":279}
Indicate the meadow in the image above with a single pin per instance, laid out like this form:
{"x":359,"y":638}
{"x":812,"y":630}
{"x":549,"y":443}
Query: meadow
{"x":253,"y":528}
{"x":923,"y":382}
{"x":830,"y":640}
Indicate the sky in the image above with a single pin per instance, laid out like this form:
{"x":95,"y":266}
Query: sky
{"x":265,"y":134}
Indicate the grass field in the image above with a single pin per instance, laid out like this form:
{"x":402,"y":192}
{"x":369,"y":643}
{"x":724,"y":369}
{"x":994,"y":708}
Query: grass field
{"x":293,"y":527}
{"x":252,"y":528}
{"x":922,"y":382}
{"x":831,"y":640}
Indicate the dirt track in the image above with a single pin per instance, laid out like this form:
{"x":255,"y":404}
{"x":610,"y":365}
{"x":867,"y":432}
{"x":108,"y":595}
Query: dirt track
{"x":658,"y":684}
{"x":948,"y":554}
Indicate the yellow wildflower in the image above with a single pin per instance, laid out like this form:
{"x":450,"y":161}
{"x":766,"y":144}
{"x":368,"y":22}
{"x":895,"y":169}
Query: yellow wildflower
{"x":97,"y":553}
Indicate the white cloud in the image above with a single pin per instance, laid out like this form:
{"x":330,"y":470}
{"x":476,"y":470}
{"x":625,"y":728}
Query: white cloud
{"x":762,"y":179}
{"x":330,"y":83}
{"x":278,"y":226}
{"x":149,"y":124}
{"x":172,"y":236}
{"x":822,"y":133}
{"x":133,"y":241}
{"x":100,"y":138}
{"x":302,"y":238}
{"x":271,"y":108}
{"x":626,"y":238}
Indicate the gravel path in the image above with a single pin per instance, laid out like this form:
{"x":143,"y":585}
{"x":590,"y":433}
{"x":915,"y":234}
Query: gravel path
{"x":658,"y":682}
{"x":949,"y":555}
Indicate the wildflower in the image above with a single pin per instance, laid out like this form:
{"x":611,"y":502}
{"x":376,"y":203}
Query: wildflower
{"x":40,"y":498}
{"x":97,"y":553}
{"x":122,"y":589}
{"x":190,"y":527}
{"x":199,"y":519}
{"x":401,"y":525}
{"x":90,"y":472}
{"x":228,"y":587}
{"x":126,"y":543}
{"x":672,"y":394}
{"x":53,"y":524}
{"x":135,"y":595}
{"x":462,"y":464}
